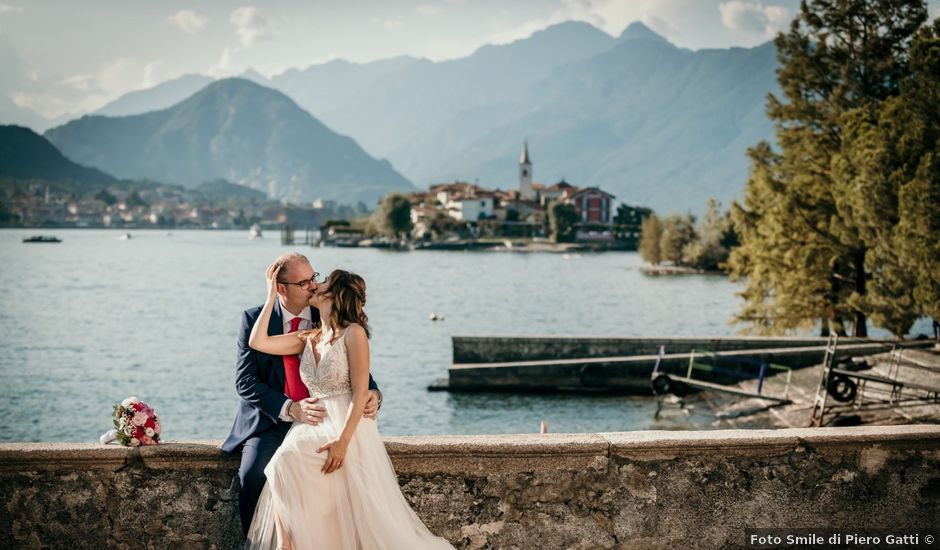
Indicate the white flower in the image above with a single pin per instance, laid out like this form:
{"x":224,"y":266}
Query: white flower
{"x":149,"y":432}
{"x":129,"y":429}
{"x":135,"y":442}
{"x":122,"y":422}
{"x":129,"y":401}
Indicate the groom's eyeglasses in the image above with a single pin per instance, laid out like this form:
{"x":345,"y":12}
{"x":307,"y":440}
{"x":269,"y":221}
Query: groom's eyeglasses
{"x":306,"y":283}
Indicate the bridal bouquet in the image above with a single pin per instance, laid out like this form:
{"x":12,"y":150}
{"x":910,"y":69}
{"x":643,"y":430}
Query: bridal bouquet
{"x":135,"y":423}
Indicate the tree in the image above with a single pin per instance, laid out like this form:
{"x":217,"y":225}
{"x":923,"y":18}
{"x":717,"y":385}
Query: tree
{"x":393,"y":217}
{"x":708,"y":251}
{"x":106,"y":197}
{"x":889,"y":159}
{"x":628,"y":220}
{"x":802,"y":253}
{"x":651,"y":233}
{"x":678,"y":232}
{"x":562,"y":218}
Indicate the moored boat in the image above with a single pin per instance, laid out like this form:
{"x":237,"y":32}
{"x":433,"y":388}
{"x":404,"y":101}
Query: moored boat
{"x":42,"y":239}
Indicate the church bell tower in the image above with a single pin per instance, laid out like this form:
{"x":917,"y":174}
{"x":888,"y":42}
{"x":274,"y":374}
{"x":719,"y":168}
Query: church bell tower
{"x":525,"y":173}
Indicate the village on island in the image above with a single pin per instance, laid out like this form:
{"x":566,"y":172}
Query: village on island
{"x":462,"y":215}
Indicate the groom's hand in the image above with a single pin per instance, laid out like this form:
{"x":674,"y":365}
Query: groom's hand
{"x":371,"y":409}
{"x":308,"y":411}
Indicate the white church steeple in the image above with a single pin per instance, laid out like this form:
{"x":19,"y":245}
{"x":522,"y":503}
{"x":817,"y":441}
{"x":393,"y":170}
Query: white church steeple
{"x":525,"y":173}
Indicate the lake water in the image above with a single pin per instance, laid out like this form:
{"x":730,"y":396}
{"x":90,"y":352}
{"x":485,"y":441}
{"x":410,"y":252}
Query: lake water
{"x":90,"y":321}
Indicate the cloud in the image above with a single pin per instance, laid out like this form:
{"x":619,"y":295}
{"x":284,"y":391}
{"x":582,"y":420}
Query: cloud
{"x":188,"y":21}
{"x":154,"y":73}
{"x":660,"y":26}
{"x":429,"y":9}
{"x":250,"y":25}
{"x":52,"y":97}
{"x":7,"y":8}
{"x":752,"y":18}
{"x":226,"y":65}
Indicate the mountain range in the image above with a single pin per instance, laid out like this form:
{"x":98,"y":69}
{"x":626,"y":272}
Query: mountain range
{"x":236,"y":130}
{"x":25,"y":156}
{"x":654,"y":124}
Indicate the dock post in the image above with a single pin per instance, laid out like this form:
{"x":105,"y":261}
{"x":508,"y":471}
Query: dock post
{"x":287,"y":234}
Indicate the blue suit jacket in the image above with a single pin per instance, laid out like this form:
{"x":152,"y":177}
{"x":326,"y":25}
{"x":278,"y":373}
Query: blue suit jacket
{"x":259,"y":381}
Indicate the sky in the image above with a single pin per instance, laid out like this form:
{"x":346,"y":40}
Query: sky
{"x":62,"y":57}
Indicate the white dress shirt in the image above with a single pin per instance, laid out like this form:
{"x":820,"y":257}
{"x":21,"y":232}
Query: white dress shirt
{"x":306,"y":323}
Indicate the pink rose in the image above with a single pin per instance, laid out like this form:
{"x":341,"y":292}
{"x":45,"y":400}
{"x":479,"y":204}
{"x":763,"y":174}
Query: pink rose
{"x":140,"y":418}
{"x":144,"y":440}
{"x":158,"y":427}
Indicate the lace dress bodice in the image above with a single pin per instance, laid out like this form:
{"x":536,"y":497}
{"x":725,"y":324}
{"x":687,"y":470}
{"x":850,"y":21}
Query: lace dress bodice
{"x":330,"y":376}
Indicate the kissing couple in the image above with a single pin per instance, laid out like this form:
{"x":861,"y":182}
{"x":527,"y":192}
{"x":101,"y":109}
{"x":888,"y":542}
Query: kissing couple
{"x":314,"y":472}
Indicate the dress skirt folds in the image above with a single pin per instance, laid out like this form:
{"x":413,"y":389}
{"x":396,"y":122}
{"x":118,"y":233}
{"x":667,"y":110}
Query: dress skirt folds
{"x":358,"y":506}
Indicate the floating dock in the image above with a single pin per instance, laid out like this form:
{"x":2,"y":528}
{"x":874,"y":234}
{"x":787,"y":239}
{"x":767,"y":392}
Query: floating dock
{"x":547,"y":364}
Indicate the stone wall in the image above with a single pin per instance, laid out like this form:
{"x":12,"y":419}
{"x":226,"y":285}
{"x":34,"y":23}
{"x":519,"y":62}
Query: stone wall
{"x":631,"y":489}
{"x":499,"y":349}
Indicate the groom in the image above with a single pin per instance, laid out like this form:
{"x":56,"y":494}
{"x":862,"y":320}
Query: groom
{"x":272,"y":394}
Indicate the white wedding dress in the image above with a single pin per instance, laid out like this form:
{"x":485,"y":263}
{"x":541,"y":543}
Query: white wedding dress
{"x":359,"y":506}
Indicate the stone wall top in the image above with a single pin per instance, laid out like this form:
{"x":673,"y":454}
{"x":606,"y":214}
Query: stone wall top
{"x":505,"y":453}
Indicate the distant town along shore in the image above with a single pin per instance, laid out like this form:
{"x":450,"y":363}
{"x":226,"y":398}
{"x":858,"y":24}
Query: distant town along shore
{"x":531,"y":216}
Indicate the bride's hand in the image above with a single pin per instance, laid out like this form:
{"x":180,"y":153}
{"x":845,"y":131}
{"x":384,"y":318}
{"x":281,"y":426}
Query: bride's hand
{"x":337,"y":454}
{"x":270,"y":276}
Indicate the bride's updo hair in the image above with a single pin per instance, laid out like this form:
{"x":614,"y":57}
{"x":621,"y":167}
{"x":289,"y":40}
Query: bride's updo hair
{"x":347,"y":291}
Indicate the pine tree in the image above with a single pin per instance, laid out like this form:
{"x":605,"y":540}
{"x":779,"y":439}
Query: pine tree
{"x":803,"y":253}
{"x":651,"y":232}
{"x":889,"y":160}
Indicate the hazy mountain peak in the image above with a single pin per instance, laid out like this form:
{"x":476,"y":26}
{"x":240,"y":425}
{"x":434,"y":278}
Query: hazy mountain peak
{"x":570,"y":32}
{"x":638,"y":30}
{"x":254,"y":76}
{"x":238,"y":130}
{"x":157,"y":97}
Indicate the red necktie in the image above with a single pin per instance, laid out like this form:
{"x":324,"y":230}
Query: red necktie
{"x":293,"y":386}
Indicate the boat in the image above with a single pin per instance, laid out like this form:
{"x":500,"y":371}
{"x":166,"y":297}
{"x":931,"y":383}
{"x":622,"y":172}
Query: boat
{"x":254,"y":232}
{"x":125,"y":236}
{"x":42,"y":239}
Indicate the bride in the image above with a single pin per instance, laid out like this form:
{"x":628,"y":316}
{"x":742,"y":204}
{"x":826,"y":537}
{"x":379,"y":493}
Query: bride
{"x":332,"y":485}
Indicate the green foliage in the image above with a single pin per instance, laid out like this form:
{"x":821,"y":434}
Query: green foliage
{"x":814,"y":225}
{"x":628,"y":221}
{"x":106,"y":197}
{"x":651,"y":233}
{"x":708,"y":251}
{"x":678,"y":232}
{"x":561,"y":220}
{"x":134,"y":200}
{"x":393,"y":218}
